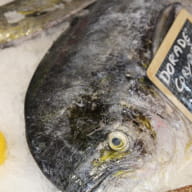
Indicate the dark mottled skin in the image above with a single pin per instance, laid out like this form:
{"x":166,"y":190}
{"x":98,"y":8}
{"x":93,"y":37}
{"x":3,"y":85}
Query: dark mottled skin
{"x":75,"y":96}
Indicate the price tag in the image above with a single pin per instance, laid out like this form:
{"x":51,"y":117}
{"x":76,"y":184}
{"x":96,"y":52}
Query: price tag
{"x":171,"y":68}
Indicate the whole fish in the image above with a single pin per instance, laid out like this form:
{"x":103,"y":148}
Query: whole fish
{"x":94,"y":122}
{"x":26,"y":18}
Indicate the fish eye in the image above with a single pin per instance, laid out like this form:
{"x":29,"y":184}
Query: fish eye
{"x":118,"y":141}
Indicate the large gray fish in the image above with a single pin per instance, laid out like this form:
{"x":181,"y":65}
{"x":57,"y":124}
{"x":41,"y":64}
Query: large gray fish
{"x":26,"y":18}
{"x":94,"y":122}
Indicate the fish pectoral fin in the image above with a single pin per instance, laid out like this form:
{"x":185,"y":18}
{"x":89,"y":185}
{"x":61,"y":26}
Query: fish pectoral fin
{"x":166,"y":19}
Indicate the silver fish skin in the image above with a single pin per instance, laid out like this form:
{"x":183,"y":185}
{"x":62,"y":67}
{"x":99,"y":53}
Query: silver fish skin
{"x":94,"y":122}
{"x":24,"y":19}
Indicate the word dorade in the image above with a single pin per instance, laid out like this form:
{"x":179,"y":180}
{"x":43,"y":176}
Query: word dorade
{"x":171,"y":68}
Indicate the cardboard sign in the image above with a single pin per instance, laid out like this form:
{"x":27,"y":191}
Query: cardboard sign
{"x":171,"y":68}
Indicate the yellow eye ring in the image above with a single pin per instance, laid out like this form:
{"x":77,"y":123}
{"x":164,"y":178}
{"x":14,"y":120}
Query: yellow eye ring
{"x":118,"y":141}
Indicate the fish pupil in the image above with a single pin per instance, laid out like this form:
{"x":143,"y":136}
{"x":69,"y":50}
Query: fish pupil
{"x":116,"y":141}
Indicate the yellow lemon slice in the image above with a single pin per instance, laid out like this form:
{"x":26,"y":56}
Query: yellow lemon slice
{"x":3,"y":148}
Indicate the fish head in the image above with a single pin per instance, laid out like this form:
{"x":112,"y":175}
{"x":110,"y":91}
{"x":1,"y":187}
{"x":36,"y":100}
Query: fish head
{"x":116,"y":136}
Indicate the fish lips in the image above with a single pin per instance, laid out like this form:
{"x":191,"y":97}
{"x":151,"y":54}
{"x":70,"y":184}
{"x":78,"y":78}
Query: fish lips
{"x":89,"y":178}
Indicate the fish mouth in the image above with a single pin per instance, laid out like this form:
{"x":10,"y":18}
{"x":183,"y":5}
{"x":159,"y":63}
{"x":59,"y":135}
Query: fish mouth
{"x":87,"y":181}
{"x":106,"y":178}
{"x":112,"y":173}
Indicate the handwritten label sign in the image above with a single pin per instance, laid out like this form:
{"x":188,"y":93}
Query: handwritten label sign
{"x":171,"y":68}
